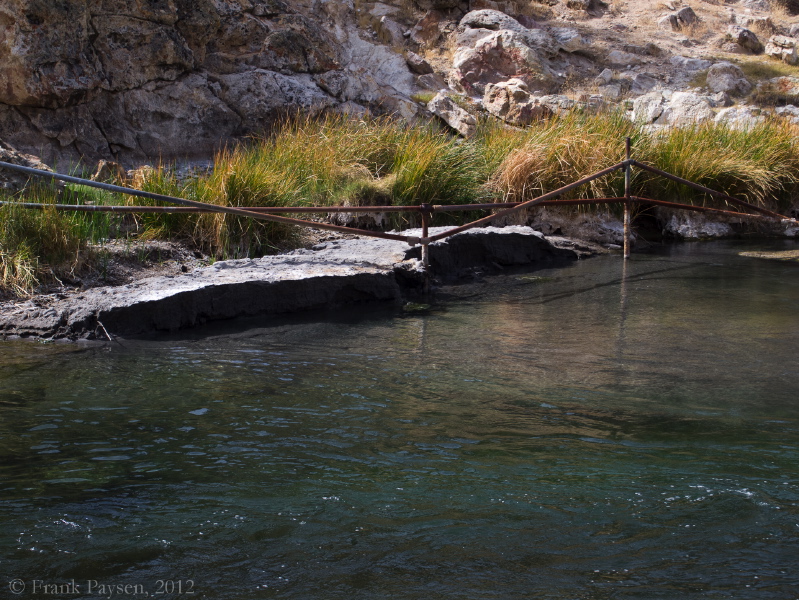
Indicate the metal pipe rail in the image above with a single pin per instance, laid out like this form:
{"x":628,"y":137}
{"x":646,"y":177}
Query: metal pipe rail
{"x":527,"y":204}
{"x":707,"y":190}
{"x":435,"y":208}
{"x":426,"y":210}
{"x":210,"y":207}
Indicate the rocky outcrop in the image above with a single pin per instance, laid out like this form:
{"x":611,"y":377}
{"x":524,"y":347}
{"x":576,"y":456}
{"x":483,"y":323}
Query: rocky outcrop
{"x":740,"y":117}
{"x":745,"y":39}
{"x":783,"y":48}
{"x":679,"y":19}
{"x":593,"y":227}
{"x":493,"y":47}
{"x":692,"y":226}
{"x":14,"y":181}
{"x":729,"y":78}
{"x":672,"y":109}
{"x":511,"y":101}
{"x":332,"y":274}
{"x":685,"y":108}
{"x":443,"y":106}
{"x":105,"y":79}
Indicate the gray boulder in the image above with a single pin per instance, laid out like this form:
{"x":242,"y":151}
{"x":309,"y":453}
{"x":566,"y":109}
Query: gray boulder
{"x":740,"y":117}
{"x":605,"y":77}
{"x":745,"y":39}
{"x":677,"y":20}
{"x":783,"y":48}
{"x":721,"y":99}
{"x":417,"y":64}
{"x":511,"y":101}
{"x":444,"y":107}
{"x":687,"y":16}
{"x":643,"y":83}
{"x":492,"y":20}
{"x":557,"y":103}
{"x":686,"y":108}
{"x":690,"y":64}
{"x":675,"y":109}
{"x":610,"y":91}
{"x":648,"y":108}
{"x":619,"y":58}
{"x":568,"y":39}
{"x":727,"y":77}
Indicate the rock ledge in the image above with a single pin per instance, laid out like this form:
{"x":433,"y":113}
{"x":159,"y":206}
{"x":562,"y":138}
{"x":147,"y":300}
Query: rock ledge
{"x":332,"y":274}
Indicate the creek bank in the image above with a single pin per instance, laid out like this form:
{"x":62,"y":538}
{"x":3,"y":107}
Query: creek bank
{"x":331,"y":274}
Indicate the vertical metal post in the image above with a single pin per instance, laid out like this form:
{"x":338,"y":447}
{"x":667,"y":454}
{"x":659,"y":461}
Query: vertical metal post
{"x":427,"y":212}
{"x":627,"y":203}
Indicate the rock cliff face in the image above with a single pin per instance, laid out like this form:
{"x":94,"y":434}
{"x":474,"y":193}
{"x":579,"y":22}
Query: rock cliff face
{"x":142,"y":79}
{"x":139,"y":80}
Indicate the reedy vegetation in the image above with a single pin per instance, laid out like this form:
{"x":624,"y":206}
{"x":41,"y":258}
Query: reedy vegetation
{"x":340,"y":161}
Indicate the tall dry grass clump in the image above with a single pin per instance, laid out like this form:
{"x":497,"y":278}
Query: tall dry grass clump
{"x":551,"y":154}
{"x":759,"y":164}
{"x":334,"y":160}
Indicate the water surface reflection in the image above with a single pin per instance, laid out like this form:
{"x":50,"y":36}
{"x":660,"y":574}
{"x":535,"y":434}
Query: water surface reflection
{"x":562,"y":434}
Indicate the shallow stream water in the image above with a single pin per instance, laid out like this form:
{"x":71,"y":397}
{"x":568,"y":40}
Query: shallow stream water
{"x":594,"y":431}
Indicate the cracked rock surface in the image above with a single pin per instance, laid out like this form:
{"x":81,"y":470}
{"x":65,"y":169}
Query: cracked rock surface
{"x":332,"y":274}
{"x":132,"y":81}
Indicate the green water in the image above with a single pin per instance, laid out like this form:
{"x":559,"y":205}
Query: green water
{"x":577,"y":433}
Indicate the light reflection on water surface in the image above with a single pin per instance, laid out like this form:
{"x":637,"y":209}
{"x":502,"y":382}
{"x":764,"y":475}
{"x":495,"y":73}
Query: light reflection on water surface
{"x":562,"y":434}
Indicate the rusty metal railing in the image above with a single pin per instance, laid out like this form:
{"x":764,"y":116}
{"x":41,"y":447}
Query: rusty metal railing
{"x":426,"y":211}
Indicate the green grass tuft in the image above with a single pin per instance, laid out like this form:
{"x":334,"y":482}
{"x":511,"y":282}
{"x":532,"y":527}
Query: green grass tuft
{"x":423,"y":97}
{"x":39,"y":246}
{"x":340,"y":161}
{"x":762,"y":68}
